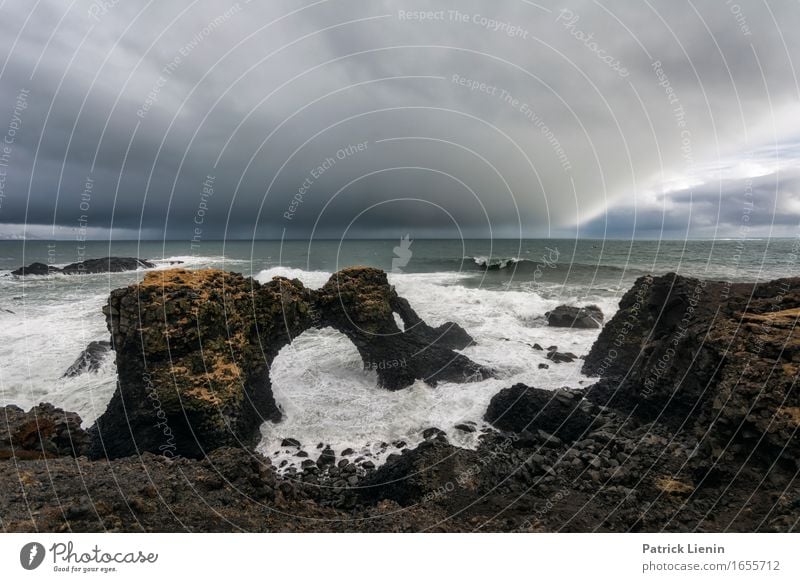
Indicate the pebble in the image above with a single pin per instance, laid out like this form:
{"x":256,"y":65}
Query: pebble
{"x":549,"y":439}
{"x":327,"y":457}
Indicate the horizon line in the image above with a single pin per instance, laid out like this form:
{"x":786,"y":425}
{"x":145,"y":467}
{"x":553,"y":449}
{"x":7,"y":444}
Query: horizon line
{"x":322,"y":239}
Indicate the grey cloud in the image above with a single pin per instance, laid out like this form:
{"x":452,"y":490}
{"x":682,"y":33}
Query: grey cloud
{"x":760,"y":206}
{"x":585,"y":139}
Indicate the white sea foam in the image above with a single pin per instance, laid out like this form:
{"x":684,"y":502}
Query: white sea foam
{"x":312,"y":279}
{"x":194,"y":261}
{"x":328,"y":398}
{"x":40,"y":340}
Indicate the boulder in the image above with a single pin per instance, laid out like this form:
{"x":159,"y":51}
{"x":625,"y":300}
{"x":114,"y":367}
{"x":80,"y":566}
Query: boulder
{"x":522,"y":408}
{"x":433,"y":433}
{"x":90,"y":359}
{"x":327,"y":457}
{"x":194,"y":348}
{"x":561,"y":357}
{"x":589,"y":317}
{"x":44,"y":432}
{"x":434,"y":471}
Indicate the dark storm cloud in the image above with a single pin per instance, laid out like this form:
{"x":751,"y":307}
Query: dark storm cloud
{"x":378,"y":118}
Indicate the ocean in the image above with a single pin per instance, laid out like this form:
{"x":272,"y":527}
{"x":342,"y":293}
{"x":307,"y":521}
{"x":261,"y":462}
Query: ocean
{"x":499,"y":291}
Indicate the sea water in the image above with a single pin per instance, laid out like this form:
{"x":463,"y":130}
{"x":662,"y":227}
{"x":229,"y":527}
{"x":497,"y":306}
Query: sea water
{"x":499,"y":291}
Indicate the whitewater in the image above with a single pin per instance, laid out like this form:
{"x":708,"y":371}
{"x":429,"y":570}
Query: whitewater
{"x":319,"y":382}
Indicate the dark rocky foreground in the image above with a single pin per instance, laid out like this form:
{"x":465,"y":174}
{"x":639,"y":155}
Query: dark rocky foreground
{"x":692,"y":425}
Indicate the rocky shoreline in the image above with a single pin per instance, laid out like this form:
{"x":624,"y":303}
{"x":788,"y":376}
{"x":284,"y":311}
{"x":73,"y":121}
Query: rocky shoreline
{"x":691,"y":426}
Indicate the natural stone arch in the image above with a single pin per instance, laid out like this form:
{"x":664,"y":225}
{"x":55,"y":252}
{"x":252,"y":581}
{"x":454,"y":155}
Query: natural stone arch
{"x":194,"y":349}
{"x":360,"y":303}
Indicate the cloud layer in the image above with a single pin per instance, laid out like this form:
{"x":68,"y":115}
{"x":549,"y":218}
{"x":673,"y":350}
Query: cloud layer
{"x":373,"y":118}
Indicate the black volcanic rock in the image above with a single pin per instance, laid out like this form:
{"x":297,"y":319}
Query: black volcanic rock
{"x":359,"y":302}
{"x":90,"y":359}
{"x":88,"y":267}
{"x":589,"y":317}
{"x":717,"y":358}
{"x":559,"y":461}
{"x":193,"y":371}
{"x":327,"y":457}
{"x":658,"y":335}
{"x":433,"y":433}
{"x":560,"y":357}
{"x":38,"y":269}
{"x":106,"y":265}
{"x":522,"y":408}
{"x":449,"y":335}
{"x":193,"y":351}
{"x":428,"y":470}
{"x":44,"y":432}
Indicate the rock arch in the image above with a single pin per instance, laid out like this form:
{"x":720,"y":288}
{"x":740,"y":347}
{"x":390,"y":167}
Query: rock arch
{"x":194,"y":349}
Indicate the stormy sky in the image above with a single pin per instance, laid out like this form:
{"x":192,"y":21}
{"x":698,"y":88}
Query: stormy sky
{"x":376,"y":118}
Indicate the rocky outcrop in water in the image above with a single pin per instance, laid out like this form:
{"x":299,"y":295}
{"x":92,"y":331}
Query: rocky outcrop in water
{"x":90,"y":359}
{"x":37,"y":269}
{"x":194,"y":348}
{"x":589,"y":317}
{"x":44,"y":432}
{"x":360,"y":303}
{"x":87,"y":267}
{"x":106,"y":265}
